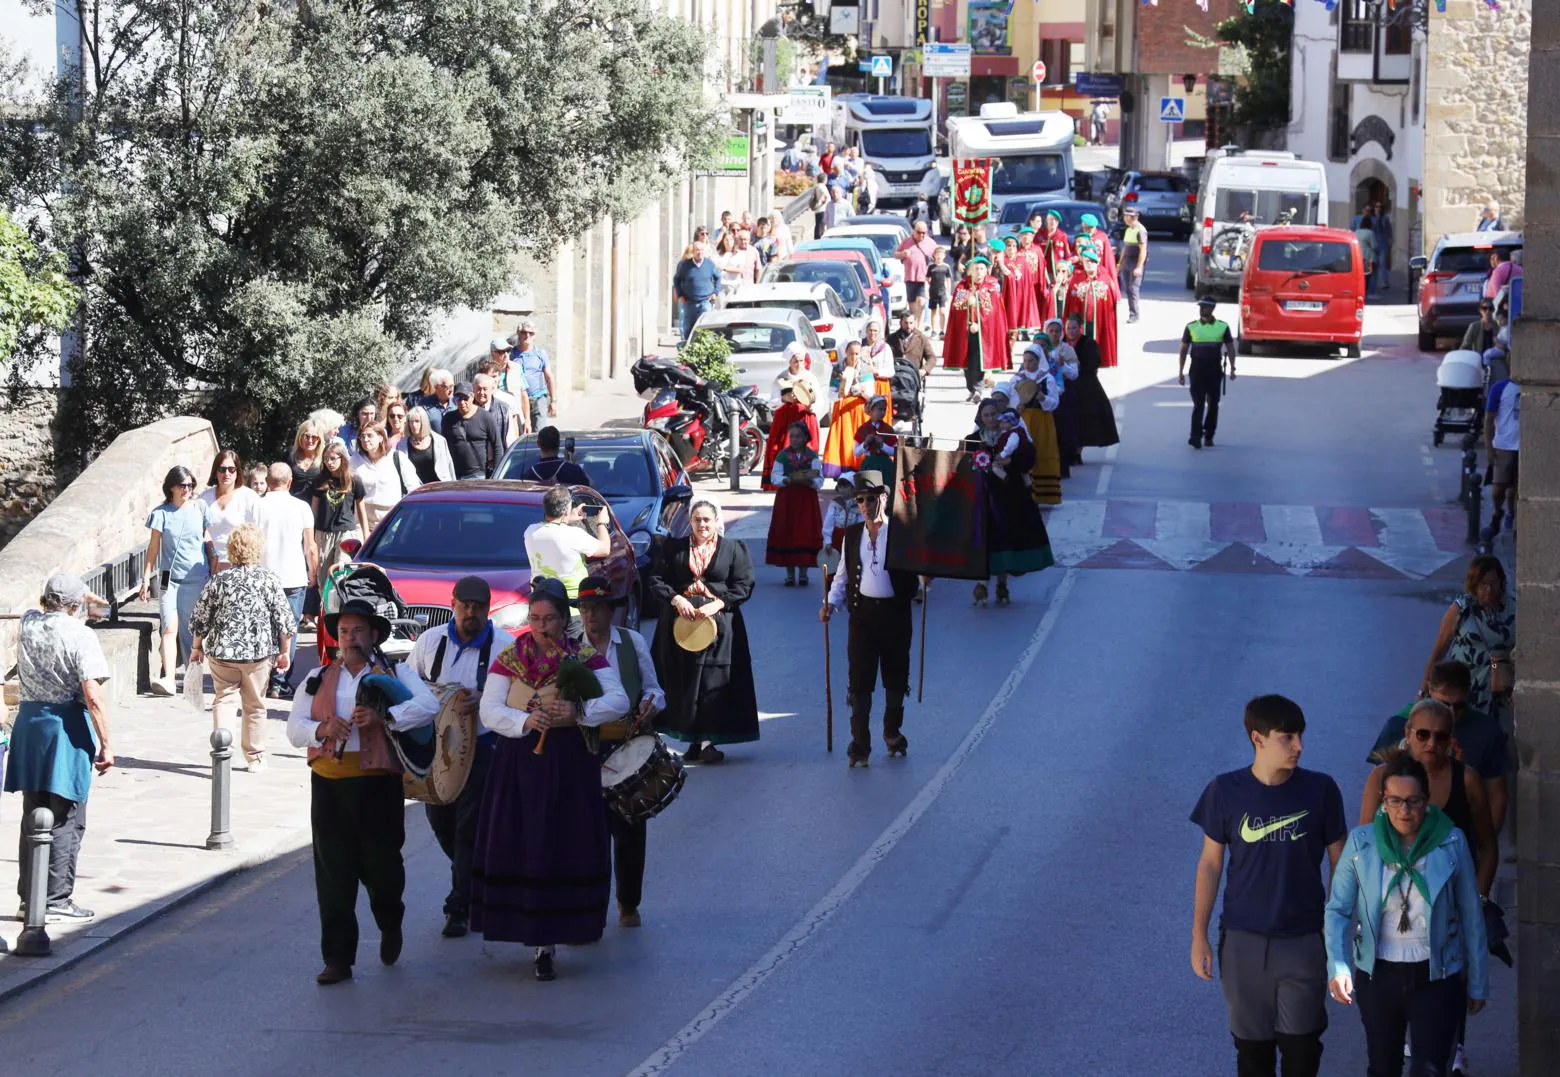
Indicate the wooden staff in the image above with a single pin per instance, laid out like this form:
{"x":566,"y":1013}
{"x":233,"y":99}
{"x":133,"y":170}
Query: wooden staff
{"x":920,"y":686}
{"x":828,"y":676}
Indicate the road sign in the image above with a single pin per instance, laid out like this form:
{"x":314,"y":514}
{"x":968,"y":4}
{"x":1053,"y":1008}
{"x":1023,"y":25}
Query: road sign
{"x":1037,"y":72}
{"x":945,"y":60}
{"x":807,"y":106}
{"x":1090,"y":84}
{"x":1172,"y":109}
{"x":882,"y":67}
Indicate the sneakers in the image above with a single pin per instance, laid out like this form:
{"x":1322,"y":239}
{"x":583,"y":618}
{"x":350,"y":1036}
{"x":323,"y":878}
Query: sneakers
{"x":257,"y":766}
{"x":456,"y":926}
{"x":163,"y":686}
{"x":628,"y":917}
{"x":65,"y":912}
{"x":1460,"y":1063}
{"x":1195,"y":443}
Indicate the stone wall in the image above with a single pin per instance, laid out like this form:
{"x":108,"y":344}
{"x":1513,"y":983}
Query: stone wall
{"x":1476,"y":114}
{"x":27,"y":482}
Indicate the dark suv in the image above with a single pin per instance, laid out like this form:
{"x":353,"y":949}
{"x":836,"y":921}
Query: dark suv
{"x":1453,"y":282}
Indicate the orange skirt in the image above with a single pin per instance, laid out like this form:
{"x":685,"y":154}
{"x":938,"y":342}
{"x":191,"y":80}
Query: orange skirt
{"x":839,"y":451}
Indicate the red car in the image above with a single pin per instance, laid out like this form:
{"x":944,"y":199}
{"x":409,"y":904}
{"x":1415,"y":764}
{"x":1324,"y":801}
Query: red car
{"x":440,"y":532}
{"x":1303,"y":285}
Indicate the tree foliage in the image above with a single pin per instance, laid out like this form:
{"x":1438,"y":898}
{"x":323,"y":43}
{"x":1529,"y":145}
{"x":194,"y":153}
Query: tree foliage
{"x":270,"y":204}
{"x":36,"y":297}
{"x":1266,"y":35}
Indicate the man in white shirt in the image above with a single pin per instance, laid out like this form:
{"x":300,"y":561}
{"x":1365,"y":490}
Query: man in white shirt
{"x":1502,"y":440}
{"x":290,"y":552}
{"x":879,"y":600}
{"x":356,"y":810}
{"x":461,"y":653}
{"x":557,"y":548}
{"x":629,"y":660}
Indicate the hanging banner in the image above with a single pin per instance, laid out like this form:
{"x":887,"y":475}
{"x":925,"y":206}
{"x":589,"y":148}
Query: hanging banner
{"x":972,"y":190}
{"x":939,"y":514}
{"x":923,"y":22}
{"x":986,"y":26}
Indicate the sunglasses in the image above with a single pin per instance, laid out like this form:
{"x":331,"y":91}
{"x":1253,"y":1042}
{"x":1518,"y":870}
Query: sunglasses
{"x":226,"y":469}
{"x":1440,"y":736}
{"x":184,"y":485}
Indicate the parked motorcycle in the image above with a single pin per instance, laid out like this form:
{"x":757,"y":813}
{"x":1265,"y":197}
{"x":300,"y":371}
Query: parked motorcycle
{"x":697,"y":419}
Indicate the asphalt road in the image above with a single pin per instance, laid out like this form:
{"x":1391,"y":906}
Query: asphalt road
{"x":1012,"y":898}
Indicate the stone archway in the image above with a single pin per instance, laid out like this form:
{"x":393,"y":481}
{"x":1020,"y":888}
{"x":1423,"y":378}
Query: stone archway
{"x":1372,"y":181}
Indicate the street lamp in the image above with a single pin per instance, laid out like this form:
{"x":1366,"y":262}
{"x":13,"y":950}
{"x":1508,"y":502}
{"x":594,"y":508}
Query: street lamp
{"x":1190,"y":82}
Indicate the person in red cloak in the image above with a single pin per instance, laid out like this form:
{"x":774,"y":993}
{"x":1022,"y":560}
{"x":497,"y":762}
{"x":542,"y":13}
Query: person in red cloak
{"x":1056,"y":267}
{"x":790,"y":411}
{"x":1093,"y":296}
{"x":1018,"y":291}
{"x":1101,"y":241}
{"x":977,"y":338}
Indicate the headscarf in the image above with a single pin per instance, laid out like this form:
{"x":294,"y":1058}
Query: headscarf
{"x":1056,"y":322}
{"x":1389,"y":845}
{"x":794,"y":348}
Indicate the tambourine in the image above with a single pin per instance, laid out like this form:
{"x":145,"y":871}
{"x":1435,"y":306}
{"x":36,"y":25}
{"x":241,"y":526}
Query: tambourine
{"x":1026,"y":390}
{"x":802,"y":393}
{"x":696,"y":634}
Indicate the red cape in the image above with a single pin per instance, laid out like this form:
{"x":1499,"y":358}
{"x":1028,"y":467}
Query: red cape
{"x":1095,"y":299}
{"x":1056,"y":266}
{"x":780,"y":436}
{"x":1107,"y":253}
{"x":1018,"y":293}
{"x":995,"y":353}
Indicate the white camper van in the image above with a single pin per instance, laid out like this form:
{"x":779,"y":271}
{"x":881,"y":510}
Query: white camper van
{"x":1032,"y":151}
{"x":1248,"y":189}
{"x":894,"y":134}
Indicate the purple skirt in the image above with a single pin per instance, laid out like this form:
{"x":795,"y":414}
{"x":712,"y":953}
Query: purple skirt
{"x":541,"y":874}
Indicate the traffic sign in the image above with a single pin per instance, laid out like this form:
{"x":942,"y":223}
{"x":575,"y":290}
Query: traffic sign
{"x":882,"y":67}
{"x":806,"y":106}
{"x":1172,"y":109}
{"x":1037,"y":72}
{"x":1093,"y":84}
{"x":945,"y":59}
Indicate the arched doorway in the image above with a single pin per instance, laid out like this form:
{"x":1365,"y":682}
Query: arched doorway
{"x":1372,"y":184}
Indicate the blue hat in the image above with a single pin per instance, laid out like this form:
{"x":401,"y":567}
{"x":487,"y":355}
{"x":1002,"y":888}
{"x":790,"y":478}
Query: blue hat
{"x":1089,"y":220}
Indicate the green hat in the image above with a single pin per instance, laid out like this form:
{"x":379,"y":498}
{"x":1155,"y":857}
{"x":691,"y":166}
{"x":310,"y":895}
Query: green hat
{"x":1089,"y":220}
{"x":1088,"y":251}
{"x":996,"y":244}
{"x":1026,"y":230}
{"x":1055,"y":215}
{"x":981,"y":259}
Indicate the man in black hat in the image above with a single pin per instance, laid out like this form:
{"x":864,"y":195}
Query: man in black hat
{"x":476,"y":440}
{"x":356,"y":810}
{"x":460,"y":654}
{"x":879,"y":600}
{"x":1208,"y":342}
{"x":628,"y":659}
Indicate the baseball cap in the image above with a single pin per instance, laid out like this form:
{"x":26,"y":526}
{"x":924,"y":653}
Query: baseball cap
{"x":65,"y":588}
{"x":1207,"y":301}
{"x":498,"y":344}
{"x":463,"y":389}
{"x":472,"y":589}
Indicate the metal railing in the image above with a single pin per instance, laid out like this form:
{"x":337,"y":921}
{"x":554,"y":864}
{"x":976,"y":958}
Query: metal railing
{"x":118,"y":580}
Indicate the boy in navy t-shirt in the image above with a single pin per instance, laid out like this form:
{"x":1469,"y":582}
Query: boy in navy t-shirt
{"x":1274,"y":821}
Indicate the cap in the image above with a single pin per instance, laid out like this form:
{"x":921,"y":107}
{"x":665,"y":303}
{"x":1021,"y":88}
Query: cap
{"x":980,"y":260}
{"x":1207,"y":301}
{"x":463,"y":389}
{"x":996,"y":244}
{"x":1026,"y":230}
{"x":65,"y":588}
{"x":472,"y":589}
{"x":1054,"y":214}
{"x":498,"y":344}
{"x":1129,"y":208}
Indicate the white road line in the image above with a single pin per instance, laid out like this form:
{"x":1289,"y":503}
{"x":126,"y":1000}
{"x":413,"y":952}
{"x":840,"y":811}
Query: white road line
{"x":1292,"y":525}
{"x":820,"y":914}
{"x":1407,"y":544}
{"x":1105,"y":472}
{"x":1190,"y":520}
{"x":1075,"y":523}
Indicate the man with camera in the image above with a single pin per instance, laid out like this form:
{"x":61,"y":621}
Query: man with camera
{"x":558,"y":547}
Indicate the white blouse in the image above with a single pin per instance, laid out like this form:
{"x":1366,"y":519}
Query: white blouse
{"x":1413,"y":944}
{"x":243,"y":507}
{"x":507,"y":721}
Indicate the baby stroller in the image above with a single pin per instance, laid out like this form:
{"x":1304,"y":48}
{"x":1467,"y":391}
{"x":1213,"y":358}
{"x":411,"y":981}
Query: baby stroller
{"x":1460,"y":404}
{"x":360,"y":579}
{"x":907,"y":387}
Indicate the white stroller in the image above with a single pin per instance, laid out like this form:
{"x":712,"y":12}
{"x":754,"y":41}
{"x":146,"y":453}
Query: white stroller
{"x":1460,"y":404}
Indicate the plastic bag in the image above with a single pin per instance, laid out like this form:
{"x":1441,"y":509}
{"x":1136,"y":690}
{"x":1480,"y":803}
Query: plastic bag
{"x":195,"y":686}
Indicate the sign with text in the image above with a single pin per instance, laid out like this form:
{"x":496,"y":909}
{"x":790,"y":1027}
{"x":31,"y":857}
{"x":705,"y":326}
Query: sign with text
{"x":939,"y":515}
{"x":986,"y":27}
{"x":923,"y":22}
{"x":945,"y":60}
{"x":972,"y":190}
{"x":1090,"y":84}
{"x":807,"y":106}
{"x":733,"y":160}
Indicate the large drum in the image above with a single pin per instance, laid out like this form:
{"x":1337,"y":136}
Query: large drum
{"x":453,"y":749}
{"x":641,"y":778}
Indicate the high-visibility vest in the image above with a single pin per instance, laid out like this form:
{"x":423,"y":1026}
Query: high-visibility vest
{"x":1207,"y":332}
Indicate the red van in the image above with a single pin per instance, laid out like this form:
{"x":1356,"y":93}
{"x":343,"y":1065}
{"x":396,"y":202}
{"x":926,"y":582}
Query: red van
{"x":1305,"y":285}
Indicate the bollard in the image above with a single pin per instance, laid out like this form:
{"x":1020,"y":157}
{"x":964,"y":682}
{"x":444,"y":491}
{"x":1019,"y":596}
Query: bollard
{"x":736,"y":450}
{"x":38,"y":840}
{"x":221,"y":786}
{"x":1472,"y":487}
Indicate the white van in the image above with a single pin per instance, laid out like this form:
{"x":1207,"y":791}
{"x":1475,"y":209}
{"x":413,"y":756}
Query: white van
{"x":894,"y":135}
{"x":1271,"y":186}
{"x":1032,"y":151}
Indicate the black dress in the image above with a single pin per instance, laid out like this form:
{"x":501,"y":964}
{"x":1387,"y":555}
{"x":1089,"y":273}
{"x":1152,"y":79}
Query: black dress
{"x":1096,"y":418}
{"x":710,"y":695}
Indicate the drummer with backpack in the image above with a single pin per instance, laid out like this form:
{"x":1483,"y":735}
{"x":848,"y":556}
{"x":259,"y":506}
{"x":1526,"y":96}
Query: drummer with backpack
{"x":628,"y":656}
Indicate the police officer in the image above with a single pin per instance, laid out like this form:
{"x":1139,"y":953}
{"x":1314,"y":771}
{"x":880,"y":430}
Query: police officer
{"x":1208,"y":341}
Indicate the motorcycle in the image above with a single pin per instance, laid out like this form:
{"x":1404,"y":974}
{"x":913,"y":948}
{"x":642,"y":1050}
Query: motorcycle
{"x":697,"y":419}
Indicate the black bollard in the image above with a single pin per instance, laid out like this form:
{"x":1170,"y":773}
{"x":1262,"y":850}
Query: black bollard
{"x":1472,"y":487}
{"x":38,"y":830}
{"x":736,"y":448}
{"x":221,"y":786}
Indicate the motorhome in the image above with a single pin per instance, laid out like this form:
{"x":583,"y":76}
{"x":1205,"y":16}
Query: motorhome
{"x":1031,"y":152}
{"x":1241,"y":191}
{"x":894,"y":135}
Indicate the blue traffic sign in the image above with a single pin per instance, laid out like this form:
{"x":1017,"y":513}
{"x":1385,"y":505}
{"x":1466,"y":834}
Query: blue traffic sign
{"x":1091,"y":84}
{"x":882,"y":67}
{"x":1172,"y":109}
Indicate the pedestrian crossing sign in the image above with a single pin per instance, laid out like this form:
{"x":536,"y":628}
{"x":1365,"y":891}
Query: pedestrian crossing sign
{"x":882,"y":67}
{"x":1172,"y":109}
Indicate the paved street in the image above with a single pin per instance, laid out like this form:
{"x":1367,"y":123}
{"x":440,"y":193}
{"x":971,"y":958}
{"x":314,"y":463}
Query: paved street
{"x":1012,"y":898}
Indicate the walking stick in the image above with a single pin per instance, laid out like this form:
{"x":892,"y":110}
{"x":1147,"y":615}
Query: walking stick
{"x":828,"y":676}
{"x":920,"y":685}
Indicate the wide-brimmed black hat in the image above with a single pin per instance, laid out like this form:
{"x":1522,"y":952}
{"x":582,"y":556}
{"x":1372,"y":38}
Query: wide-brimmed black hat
{"x":358,"y":607}
{"x":596,"y":589}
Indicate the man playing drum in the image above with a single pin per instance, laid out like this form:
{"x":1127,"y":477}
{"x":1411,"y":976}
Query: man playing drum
{"x":628,"y":659}
{"x":460,"y":654}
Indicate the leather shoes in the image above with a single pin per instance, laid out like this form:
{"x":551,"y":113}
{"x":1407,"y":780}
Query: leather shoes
{"x":390,"y":946}
{"x":455,"y":926}
{"x":628,"y":917}
{"x":543,"y":967}
{"x":333,"y":974}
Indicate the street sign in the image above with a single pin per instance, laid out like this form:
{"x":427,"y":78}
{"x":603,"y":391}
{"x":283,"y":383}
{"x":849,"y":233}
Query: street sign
{"x":1090,"y":84}
{"x":1172,"y":109}
{"x":845,"y":21}
{"x":882,"y":67}
{"x":945,"y":60}
{"x":807,"y":106}
{"x":1037,"y":72}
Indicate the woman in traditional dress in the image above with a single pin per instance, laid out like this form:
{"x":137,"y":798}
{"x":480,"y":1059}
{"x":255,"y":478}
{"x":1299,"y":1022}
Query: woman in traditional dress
{"x":796,"y":524}
{"x":1018,"y":294}
{"x":541,"y":872}
{"x":1016,"y":540}
{"x":876,"y":441}
{"x":1093,"y":295}
{"x":850,"y":411}
{"x":1095,"y":415}
{"x":1056,"y":258}
{"x":1038,"y":393}
{"x":878,"y":357}
{"x":710,"y":697}
{"x":977,"y":328}
{"x":790,"y":412}
{"x":1064,"y":368}
{"x":1091,"y":230}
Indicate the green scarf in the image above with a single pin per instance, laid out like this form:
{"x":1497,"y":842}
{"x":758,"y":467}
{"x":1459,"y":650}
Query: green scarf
{"x":1389,"y":845}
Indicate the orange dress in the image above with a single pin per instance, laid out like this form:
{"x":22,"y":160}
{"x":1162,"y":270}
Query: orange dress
{"x":850,"y":411}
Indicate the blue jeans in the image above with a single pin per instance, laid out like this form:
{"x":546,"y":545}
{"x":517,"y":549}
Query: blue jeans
{"x":295,"y":596}
{"x":691,"y":309}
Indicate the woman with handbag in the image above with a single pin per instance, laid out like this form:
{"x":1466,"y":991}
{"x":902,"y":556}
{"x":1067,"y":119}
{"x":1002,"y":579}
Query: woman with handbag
{"x":385,"y":471}
{"x":1479,"y":629}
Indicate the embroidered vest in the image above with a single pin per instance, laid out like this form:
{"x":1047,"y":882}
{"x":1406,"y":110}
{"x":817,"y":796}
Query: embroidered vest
{"x":373,"y":753}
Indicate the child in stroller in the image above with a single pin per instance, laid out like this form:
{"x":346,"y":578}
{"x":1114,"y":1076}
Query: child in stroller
{"x":362,"y":580}
{"x":1460,"y":401}
{"x":907,"y":387}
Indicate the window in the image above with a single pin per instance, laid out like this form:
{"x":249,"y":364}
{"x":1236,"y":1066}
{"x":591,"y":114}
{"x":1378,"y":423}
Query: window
{"x":1356,"y":27}
{"x":452,"y":535}
{"x":1029,"y":172}
{"x":748,"y":339}
{"x":1399,"y":32}
{"x":1338,"y":122}
{"x":903,"y":142}
{"x":1056,"y":52}
{"x":807,"y":307}
{"x":1160,"y":184}
{"x":1265,"y":207}
{"x":1306,"y":256}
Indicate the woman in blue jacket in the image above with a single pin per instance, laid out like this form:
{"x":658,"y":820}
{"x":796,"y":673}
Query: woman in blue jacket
{"x":1407,"y":883}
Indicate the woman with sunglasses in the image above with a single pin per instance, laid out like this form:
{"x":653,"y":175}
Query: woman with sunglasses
{"x":1479,"y":629}
{"x":230,"y":504}
{"x":395,"y":424}
{"x":306,"y":458}
{"x":1406,"y":878}
{"x":179,"y":557}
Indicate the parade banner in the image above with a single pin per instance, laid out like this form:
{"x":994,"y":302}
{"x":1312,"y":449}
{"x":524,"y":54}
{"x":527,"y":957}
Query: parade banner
{"x":972,"y":190}
{"x":939,"y":517}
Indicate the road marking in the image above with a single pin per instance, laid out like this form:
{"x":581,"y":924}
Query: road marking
{"x":820,"y":914}
{"x":1291,"y":525}
{"x":1104,"y":481}
{"x":1184,"y":520}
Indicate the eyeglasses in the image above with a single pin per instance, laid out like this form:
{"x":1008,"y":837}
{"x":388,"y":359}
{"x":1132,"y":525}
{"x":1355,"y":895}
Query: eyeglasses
{"x":543,"y":619}
{"x":1441,"y":736}
{"x":1399,"y":803}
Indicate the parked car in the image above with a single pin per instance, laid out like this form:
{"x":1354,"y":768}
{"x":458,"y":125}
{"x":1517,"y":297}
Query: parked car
{"x":635,"y":471}
{"x":1303,"y":285}
{"x":888,"y":272}
{"x":758,"y":339}
{"x":819,"y":303}
{"x":440,"y":532}
{"x":885,"y":234}
{"x":1453,"y":281}
{"x":1164,"y":201}
{"x":856,"y":262}
{"x":879,"y":218}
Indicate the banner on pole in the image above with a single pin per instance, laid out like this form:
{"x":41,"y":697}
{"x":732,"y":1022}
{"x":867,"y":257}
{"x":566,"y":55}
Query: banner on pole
{"x":939,"y":517}
{"x":972,"y":190}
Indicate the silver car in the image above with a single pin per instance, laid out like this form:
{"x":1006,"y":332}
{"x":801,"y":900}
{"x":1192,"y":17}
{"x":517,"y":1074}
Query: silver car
{"x":758,"y":339}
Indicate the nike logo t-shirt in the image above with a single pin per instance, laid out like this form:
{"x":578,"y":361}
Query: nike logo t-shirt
{"x":1275,"y":839}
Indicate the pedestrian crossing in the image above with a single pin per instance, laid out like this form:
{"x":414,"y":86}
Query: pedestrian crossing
{"x":1329,"y":542}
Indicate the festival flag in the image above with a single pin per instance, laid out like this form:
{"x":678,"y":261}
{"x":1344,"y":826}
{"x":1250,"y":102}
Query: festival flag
{"x":972,"y":190}
{"x":939,"y":517}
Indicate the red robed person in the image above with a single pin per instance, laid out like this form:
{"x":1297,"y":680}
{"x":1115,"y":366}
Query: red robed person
{"x":791,"y":410}
{"x":1092,"y":296}
{"x":1056,"y":266}
{"x":977,"y":338}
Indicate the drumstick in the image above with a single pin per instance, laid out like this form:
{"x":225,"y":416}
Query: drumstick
{"x":920,"y":687}
{"x":828,"y":676}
